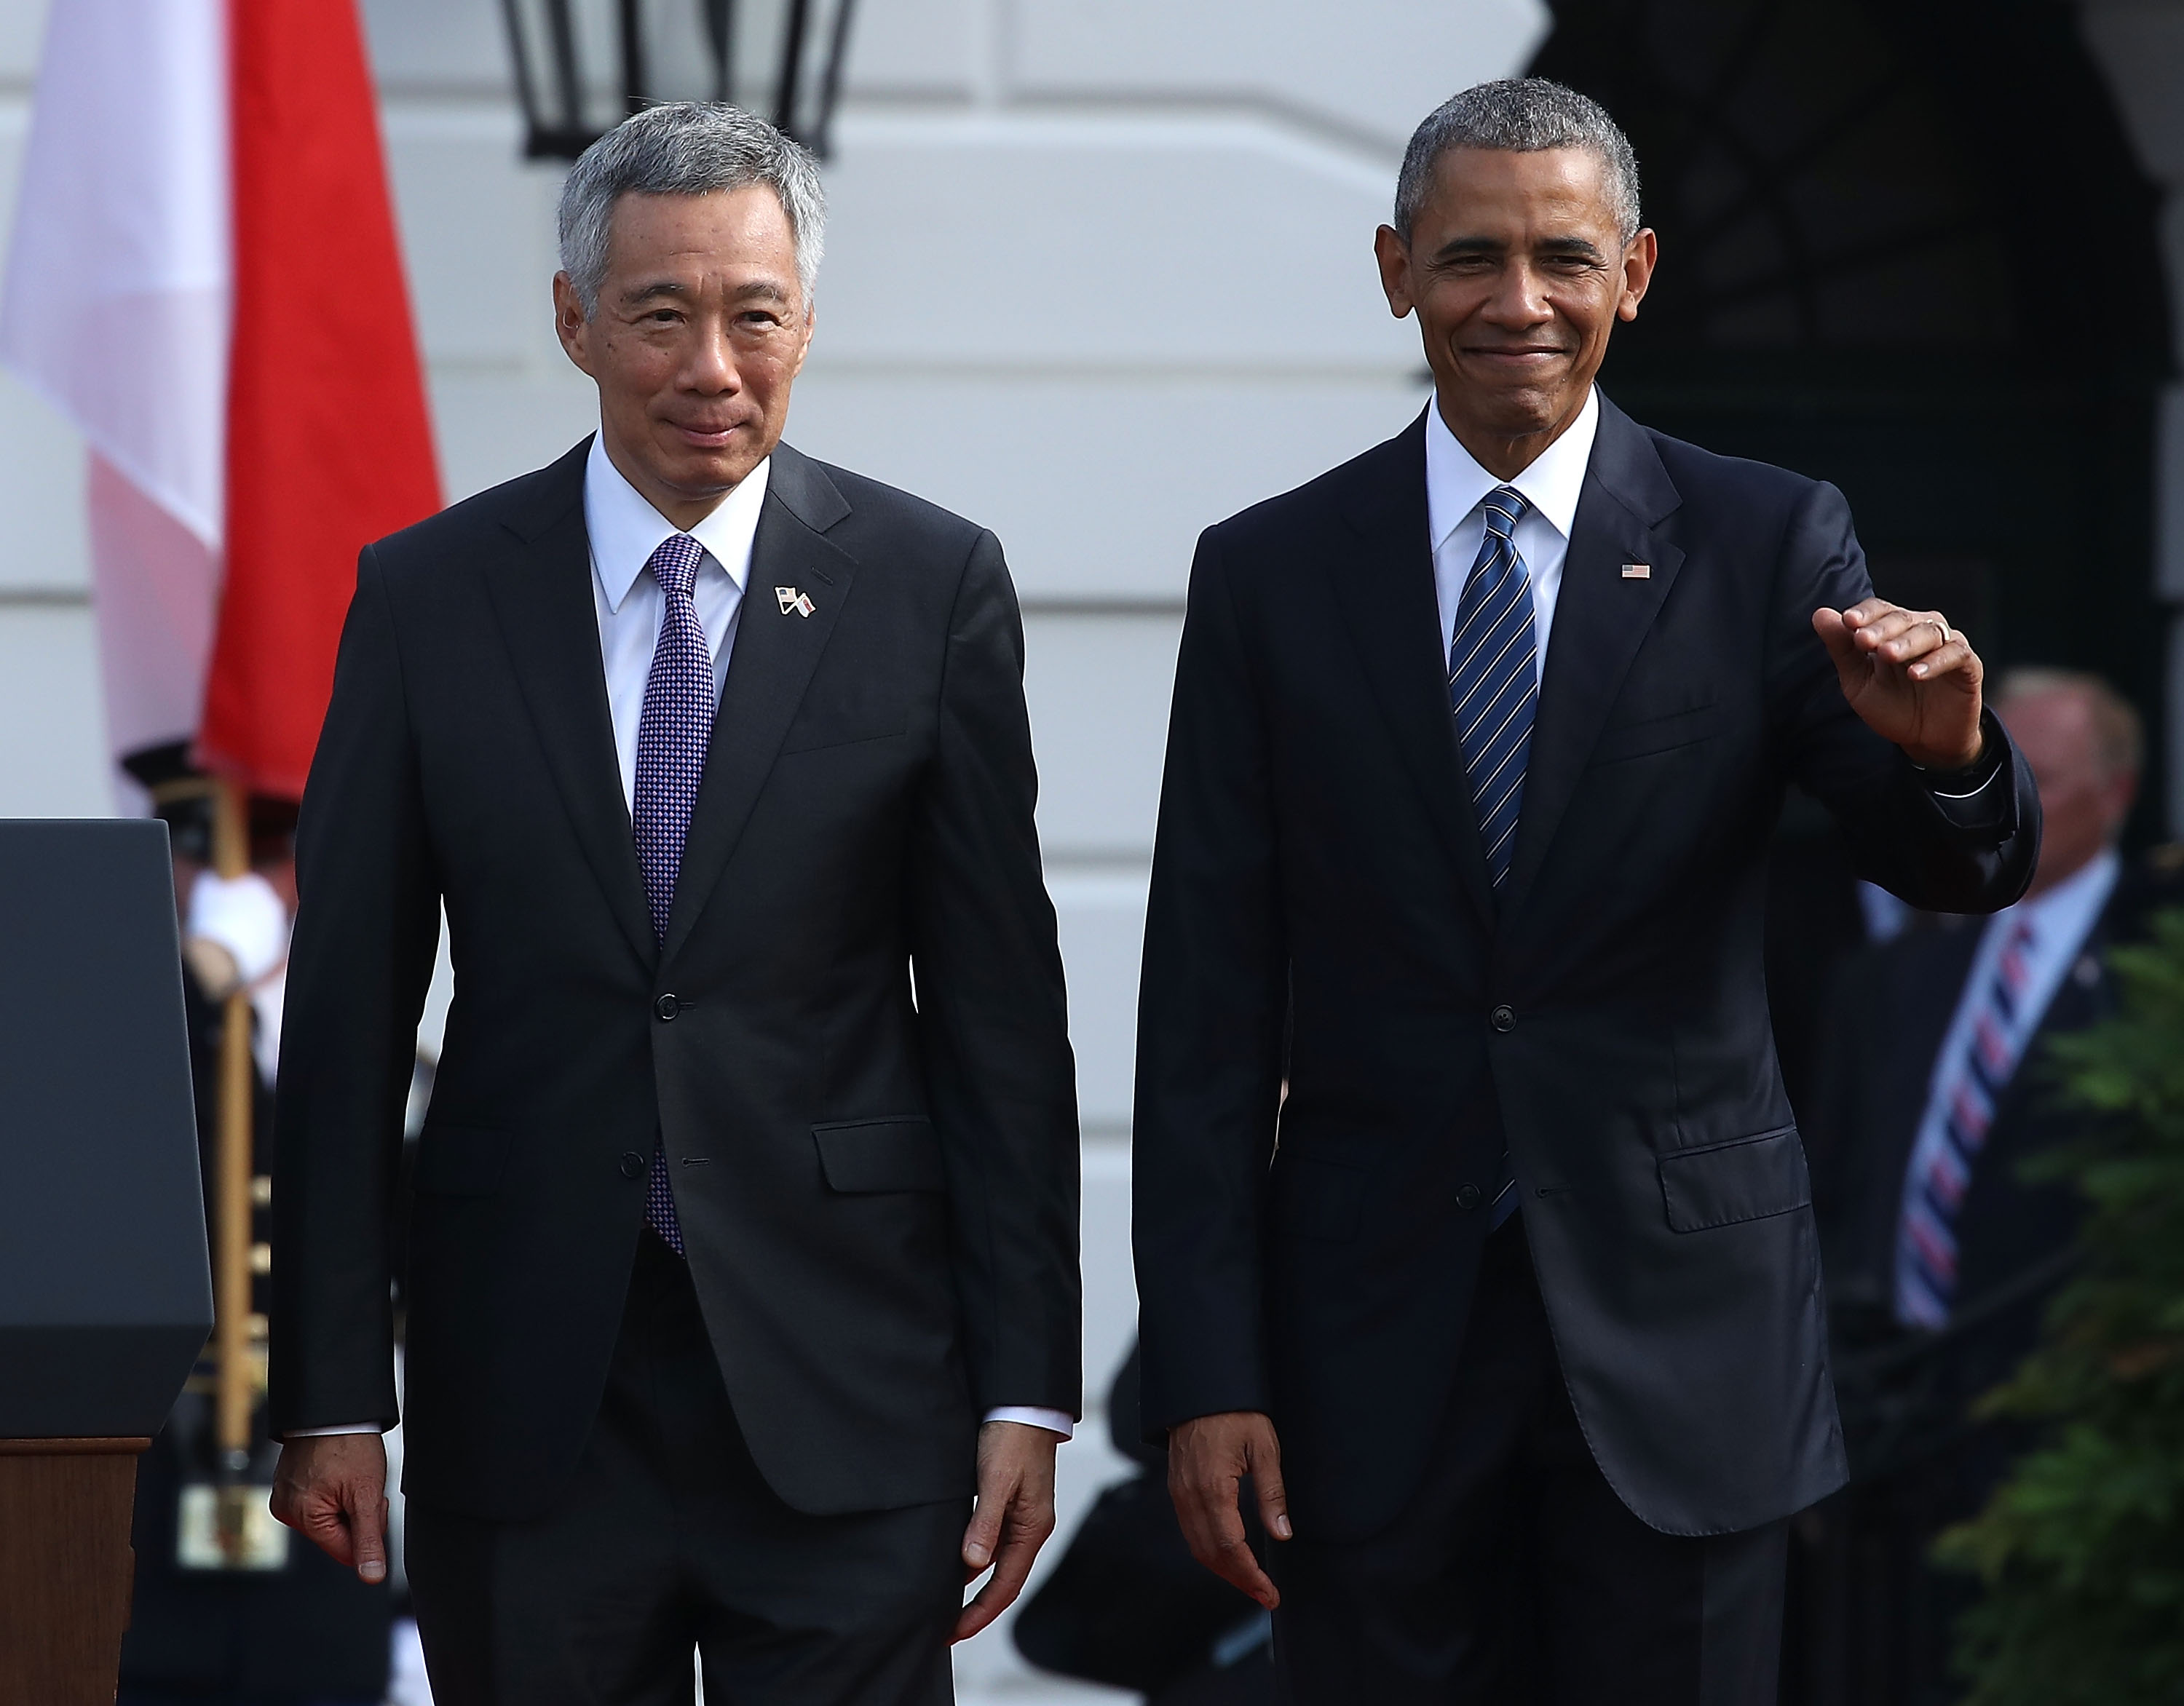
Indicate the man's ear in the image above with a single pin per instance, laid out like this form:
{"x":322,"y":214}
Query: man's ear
{"x":1639,"y":256}
{"x":1394,"y":256}
{"x":570,"y":324}
{"x":811,"y":325}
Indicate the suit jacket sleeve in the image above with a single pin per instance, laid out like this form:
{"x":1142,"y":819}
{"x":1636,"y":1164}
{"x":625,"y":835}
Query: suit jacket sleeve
{"x":1213,"y":1002}
{"x":367,"y":927}
{"x":993,"y":1014}
{"x":1944,"y":857}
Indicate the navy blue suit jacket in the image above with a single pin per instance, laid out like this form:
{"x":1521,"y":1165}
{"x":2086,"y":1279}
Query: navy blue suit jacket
{"x":1321,"y":911}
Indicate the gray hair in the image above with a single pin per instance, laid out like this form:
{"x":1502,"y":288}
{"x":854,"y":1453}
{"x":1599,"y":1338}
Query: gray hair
{"x":1519,"y":115}
{"x":2118,"y":731}
{"x":687,"y":148}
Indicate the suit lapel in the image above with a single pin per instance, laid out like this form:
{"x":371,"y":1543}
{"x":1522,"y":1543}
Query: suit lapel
{"x":1600,"y":620}
{"x":775,"y":653}
{"x":1385,"y":594}
{"x":541,"y":595}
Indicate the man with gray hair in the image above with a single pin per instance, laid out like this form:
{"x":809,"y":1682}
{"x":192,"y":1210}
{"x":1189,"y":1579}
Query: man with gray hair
{"x":1936,"y":1088}
{"x":740,"y":1263}
{"x":1476,"y":747}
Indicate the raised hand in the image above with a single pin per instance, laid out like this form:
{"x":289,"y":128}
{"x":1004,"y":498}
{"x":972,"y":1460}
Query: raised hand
{"x":1912,"y":679}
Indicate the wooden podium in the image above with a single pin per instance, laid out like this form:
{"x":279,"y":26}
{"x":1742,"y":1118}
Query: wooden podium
{"x":105,"y":1290}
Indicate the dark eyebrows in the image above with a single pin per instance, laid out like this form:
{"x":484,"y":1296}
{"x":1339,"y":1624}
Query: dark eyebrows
{"x":1463,"y":249}
{"x":653,"y":287}
{"x":758,"y":290}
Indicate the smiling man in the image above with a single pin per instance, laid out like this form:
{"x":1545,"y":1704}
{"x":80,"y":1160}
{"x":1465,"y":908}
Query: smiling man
{"x":1478,"y":741}
{"x":738,"y":1265}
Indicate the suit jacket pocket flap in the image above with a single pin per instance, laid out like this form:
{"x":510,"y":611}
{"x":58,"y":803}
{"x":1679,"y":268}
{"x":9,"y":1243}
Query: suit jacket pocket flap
{"x":1661,"y":734}
{"x":1748,"y":1180}
{"x":898,"y":1154}
{"x":461,"y":1160}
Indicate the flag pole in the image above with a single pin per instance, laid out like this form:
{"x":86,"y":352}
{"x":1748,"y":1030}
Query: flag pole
{"x":236,"y":1380}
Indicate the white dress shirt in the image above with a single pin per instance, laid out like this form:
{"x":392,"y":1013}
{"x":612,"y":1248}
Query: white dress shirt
{"x":1456,"y":489}
{"x":2061,"y":918}
{"x":625,"y":530}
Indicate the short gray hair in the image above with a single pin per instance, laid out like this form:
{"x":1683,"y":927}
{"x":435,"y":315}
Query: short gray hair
{"x":1519,"y":115}
{"x":687,"y":148}
{"x":2118,"y":730}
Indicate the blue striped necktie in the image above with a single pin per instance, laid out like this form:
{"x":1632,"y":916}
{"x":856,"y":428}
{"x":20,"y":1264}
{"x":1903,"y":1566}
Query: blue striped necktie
{"x":1494,"y":689}
{"x":1493,"y":684}
{"x":1940,"y":1171}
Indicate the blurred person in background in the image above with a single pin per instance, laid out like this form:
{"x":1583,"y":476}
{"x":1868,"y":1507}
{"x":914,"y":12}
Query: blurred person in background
{"x":1477,"y":746}
{"x":1941,"y":1257}
{"x":297,"y":1630}
{"x":740,"y":1265}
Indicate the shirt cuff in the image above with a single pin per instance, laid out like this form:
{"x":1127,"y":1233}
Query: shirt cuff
{"x":328,"y":1432}
{"x":1976,"y":798}
{"x":1054,"y":1421}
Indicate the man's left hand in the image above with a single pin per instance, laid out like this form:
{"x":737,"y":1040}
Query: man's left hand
{"x":1012,"y":1519}
{"x":1914,"y":679}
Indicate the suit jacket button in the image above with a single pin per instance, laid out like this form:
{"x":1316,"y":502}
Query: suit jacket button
{"x":633,"y":1165}
{"x":666,"y":1007}
{"x":1503,"y":1018}
{"x":1466,"y":1197}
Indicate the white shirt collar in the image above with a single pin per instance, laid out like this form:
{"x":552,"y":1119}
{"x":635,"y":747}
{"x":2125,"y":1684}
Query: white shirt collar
{"x":2066,"y":912}
{"x":625,"y":529}
{"x":1456,"y":483}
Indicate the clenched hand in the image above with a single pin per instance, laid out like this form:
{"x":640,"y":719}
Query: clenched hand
{"x":331,"y":1489}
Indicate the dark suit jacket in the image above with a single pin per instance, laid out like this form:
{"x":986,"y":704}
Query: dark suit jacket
{"x":877,"y":1183}
{"x":1605,"y":1018}
{"x":1890,"y":1015}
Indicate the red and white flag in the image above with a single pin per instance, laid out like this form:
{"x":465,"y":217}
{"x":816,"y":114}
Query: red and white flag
{"x":204,"y":278}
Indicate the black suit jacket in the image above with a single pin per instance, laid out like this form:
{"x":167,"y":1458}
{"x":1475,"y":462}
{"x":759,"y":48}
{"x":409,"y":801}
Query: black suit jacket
{"x":877,"y":1183}
{"x":1605,"y":1017}
{"x":1889,"y":1017}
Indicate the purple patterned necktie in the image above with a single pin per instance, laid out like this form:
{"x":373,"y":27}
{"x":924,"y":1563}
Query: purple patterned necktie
{"x":672,"y":734}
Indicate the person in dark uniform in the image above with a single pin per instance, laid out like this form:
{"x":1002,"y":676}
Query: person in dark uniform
{"x":307,"y":1632}
{"x":1941,"y":1257}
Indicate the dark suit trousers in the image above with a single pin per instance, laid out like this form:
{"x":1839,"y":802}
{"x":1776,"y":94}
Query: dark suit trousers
{"x":668,"y":1540}
{"x":1515,"y":1574}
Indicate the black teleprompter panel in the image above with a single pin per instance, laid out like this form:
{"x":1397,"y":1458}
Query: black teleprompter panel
{"x":105,"y":1290}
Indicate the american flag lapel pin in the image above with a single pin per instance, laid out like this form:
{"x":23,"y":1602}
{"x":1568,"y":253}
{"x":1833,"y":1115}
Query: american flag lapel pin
{"x":791,"y":599}
{"x":1637,"y":571}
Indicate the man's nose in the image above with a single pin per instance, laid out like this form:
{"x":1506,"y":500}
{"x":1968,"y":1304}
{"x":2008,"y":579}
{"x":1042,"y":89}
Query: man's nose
{"x":711,"y":368}
{"x":1519,"y":298}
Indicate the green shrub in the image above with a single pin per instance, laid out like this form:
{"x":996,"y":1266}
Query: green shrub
{"x":2081,"y":1549}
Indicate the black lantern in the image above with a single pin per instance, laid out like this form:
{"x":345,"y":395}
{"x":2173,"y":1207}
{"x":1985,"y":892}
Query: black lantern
{"x":582,"y":66}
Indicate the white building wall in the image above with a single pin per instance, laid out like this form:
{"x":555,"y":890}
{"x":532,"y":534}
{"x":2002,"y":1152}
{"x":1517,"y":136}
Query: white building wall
{"x":1099,"y":273}
{"x":2139,"y":46}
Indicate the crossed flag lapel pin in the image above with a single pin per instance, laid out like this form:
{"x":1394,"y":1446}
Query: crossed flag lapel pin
{"x":791,"y":599}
